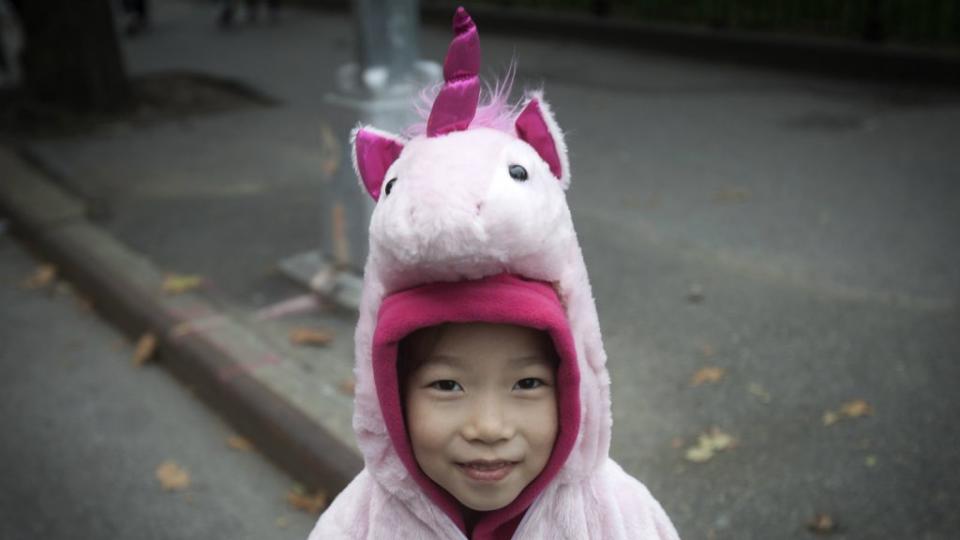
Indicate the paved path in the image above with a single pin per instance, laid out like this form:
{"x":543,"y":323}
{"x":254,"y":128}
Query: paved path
{"x":84,"y":432}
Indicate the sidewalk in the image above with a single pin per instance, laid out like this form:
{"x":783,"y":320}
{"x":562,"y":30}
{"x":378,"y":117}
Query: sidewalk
{"x":779,"y":228}
{"x":80,"y":458}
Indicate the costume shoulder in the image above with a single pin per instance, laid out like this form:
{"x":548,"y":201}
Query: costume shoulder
{"x":643,"y":517}
{"x":348,"y":515}
{"x":364,"y":510}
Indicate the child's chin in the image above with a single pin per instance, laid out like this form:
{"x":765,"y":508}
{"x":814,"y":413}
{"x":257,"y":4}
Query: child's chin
{"x":486,"y":504}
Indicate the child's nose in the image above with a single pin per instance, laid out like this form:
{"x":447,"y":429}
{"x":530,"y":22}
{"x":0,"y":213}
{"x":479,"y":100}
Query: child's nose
{"x":489,"y":421}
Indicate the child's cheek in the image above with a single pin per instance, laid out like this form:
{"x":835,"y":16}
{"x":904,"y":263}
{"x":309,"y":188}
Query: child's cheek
{"x":431,"y":424}
{"x":539,"y":423}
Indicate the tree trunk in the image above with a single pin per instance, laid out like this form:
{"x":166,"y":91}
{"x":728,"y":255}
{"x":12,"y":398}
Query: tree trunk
{"x":71,"y":55}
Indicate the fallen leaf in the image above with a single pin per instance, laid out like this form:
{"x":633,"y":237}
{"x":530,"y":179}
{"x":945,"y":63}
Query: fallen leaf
{"x":347,"y":386}
{"x":239,"y":443}
{"x":758,"y":391}
{"x":730,"y":195}
{"x":708,"y":444}
{"x":311,"y":336}
{"x":146,"y":347}
{"x":851,"y":409}
{"x":709,"y":374}
{"x":856,"y":409}
{"x":179,"y":284}
{"x":310,"y":503}
{"x":822,"y":524}
{"x":44,"y":275}
{"x":870,"y":461}
{"x":719,"y":440}
{"x":172,"y":477}
{"x":699,"y":454}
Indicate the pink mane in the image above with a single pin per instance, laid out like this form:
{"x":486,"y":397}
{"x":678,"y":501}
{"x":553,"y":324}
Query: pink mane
{"x":494,"y":111}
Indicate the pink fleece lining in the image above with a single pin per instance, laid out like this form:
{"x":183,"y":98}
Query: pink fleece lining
{"x":504,"y":299}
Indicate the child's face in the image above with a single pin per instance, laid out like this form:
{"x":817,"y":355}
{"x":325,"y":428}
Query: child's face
{"x":481,"y":409}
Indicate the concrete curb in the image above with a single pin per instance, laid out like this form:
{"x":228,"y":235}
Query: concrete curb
{"x":832,"y":57}
{"x":215,"y":363}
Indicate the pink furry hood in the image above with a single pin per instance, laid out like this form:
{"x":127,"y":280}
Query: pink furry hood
{"x":467,"y":202}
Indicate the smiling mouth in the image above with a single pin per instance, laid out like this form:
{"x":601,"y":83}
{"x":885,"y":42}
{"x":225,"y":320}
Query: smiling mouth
{"x":487,"y":471}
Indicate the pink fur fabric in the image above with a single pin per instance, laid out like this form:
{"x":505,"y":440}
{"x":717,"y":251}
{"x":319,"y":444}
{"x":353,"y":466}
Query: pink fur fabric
{"x":454,"y":212}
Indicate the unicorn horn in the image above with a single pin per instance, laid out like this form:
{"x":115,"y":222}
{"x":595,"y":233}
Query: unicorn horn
{"x":456,"y":104}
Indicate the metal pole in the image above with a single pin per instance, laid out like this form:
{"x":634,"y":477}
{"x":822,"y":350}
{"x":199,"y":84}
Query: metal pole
{"x":378,"y":90}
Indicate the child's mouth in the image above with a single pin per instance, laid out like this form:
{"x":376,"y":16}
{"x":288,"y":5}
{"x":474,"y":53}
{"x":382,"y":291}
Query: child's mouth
{"x":487,"y":471}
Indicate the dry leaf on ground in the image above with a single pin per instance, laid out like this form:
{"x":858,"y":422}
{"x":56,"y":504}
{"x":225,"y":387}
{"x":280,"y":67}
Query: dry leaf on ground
{"x":172,"y":477}
{"x":239,"y":443}
{"x":708,"y":444}
{"x":178,"y":284}
{"x":44,"y":275}
{"x":146,"y":347}
{"x":730,"y":195}
{"x":709,"y":374}
{"x":310,"y":503}
{"x":347,"y":386}
{"x":822,"y":524}
{"x":310,"y":336}
{"x":758,"y":391}
{"x":856,"y":408}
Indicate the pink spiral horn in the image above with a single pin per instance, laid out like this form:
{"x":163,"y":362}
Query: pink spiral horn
{"x":456,"y":104}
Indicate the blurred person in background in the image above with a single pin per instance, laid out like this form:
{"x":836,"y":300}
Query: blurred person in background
{"x":138,"y":15}
{"x":228,"y":13}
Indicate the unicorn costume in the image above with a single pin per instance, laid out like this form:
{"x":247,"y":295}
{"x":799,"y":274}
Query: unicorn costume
{"x":471,"y":224}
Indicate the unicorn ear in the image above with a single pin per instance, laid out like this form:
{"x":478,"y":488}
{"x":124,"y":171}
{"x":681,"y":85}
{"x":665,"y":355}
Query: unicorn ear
{"x":536,"y":126}
{"x":373,"y":153}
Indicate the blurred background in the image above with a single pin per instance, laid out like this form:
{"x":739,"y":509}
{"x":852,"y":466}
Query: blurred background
{"x":767,"y":195}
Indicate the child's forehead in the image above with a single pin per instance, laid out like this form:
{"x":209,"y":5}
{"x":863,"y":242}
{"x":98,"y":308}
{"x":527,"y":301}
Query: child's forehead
{"x":472,"y":346}
{"x":503,"y":362}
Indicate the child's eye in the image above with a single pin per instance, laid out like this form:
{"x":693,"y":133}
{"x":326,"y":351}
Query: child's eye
{"x":529,"y":383}
{"x":446,"y":385}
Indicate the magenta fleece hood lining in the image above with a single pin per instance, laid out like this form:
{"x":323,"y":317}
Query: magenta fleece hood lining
{"x":503,"y":298}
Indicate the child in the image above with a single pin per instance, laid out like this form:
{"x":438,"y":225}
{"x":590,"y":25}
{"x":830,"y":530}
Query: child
{"x":482,"y":402}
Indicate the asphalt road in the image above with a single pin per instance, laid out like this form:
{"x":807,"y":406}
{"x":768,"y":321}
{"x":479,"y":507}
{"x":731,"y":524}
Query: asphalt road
{"x":84,"y":432}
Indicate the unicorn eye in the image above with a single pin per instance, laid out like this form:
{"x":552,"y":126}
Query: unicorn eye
{"x":386,"y":190}
{"x":518,"y":173}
